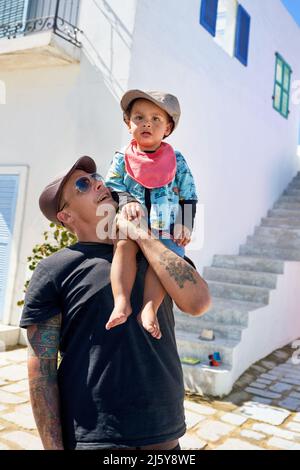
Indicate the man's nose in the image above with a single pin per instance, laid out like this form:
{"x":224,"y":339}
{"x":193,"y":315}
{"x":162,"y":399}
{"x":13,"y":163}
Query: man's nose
{"x":98,"y":185}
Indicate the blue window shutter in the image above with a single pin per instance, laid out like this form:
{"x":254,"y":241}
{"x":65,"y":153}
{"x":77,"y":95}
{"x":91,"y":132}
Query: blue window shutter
{"x":8,"y":198}
{"x":208,"y":15}
{"x":242,"y":35}
{"x":13,"y":13}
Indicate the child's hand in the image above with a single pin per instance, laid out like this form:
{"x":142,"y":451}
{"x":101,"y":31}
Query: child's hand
{"x":182,"y":235}
{"x":132,"y":210}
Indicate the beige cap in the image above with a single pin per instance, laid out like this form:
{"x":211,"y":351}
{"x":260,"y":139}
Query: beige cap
{"x":50,"y":197}
{"x":165,"y":101}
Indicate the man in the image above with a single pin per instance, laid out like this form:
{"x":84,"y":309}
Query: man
{"x":113,"y":389}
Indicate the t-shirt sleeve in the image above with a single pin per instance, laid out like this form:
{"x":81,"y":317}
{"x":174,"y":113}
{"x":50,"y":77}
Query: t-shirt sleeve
{"x":122,"y":198}
{"x":115,"y":176}
{"x":185,"y":180}
{"x":41,"y":299}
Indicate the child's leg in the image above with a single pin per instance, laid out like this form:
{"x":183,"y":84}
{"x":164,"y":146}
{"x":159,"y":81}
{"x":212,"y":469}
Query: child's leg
{"x":123,"y":273}
{"x":153,"y":296}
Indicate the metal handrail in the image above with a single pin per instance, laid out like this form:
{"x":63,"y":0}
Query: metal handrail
{"x":60,"y":26}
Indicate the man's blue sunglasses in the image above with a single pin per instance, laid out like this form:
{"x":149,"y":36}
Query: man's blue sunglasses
{"x":84,"y":184}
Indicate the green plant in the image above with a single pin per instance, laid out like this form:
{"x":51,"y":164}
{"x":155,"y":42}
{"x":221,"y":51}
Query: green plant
{"x":54,"y":240}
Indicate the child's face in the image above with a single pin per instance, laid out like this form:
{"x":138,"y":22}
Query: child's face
{"x":148,"y":124}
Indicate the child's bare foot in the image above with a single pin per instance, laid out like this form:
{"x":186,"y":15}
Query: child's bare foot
{"x":119,"y":314}
{"x":148,"y":319}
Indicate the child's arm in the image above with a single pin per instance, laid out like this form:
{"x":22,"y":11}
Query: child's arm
{"x":115,"y":182}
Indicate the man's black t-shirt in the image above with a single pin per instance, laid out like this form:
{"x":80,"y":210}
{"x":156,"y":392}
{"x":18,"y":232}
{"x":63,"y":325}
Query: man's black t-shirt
{"x":118,"y":387}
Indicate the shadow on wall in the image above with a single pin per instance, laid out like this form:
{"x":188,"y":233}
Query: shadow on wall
{"x":93,"y":44}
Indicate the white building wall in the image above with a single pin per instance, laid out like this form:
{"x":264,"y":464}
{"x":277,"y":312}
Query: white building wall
{"x":52,"y":116}
{"x":107,"y":41}
{"x":241,"y":151}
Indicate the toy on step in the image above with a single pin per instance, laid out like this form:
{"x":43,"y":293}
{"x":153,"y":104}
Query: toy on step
{"x":207,"y":335}
{"x":214,"y":359}
{"x":191,"y":361}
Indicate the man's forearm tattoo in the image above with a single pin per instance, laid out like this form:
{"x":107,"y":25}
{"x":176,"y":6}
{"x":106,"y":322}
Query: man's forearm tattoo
{"x":43,"y":343}
{"x":43,"y":338}
{"x":177,"y":268}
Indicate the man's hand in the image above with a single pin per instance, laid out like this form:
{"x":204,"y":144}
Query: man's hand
{"x":132,"y":210}
{"x":182,"y":235}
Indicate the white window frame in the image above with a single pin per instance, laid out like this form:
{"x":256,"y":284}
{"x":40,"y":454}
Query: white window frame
{"x":22,"y":172}
{"x":225,"y":35}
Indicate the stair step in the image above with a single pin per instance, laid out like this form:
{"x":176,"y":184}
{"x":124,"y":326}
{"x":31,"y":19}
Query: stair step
{"x":229,"y":311}
{"x":278,"y":233}
{"x":248,"y":263}
{"x":202,"y":379}
{"x":295,"y":184}
{"x":236,"y":276}
{"x":289,"y":198}
{"x":190,"y":345}
{"x":190,"y":324}
{"x":293,"y":206}
{"x":291,"y":241}
{"x":291,"y":192}
{"x":272,"y":252}
{"x":288,"y":222}
{"x":239,"y":292}
{"x":9,"y":336}
{"x":284,"y":213}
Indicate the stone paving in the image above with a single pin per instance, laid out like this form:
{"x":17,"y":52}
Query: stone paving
{"x":262,"y":412}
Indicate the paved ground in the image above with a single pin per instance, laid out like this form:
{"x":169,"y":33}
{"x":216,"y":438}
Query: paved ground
{"x":262,"y":412}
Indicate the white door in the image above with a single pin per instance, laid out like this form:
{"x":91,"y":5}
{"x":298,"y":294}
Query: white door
{"x":8,"y":199}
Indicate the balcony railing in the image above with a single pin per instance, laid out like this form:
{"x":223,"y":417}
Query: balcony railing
{"x":58,"y":16}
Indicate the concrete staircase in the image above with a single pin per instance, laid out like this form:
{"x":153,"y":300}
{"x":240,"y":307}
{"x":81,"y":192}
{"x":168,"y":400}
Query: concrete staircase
{"x":256,"y":301}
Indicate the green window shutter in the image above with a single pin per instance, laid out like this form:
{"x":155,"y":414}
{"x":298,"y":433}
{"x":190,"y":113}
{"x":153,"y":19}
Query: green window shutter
{"x":282,"y":84}
{"x":8,"y":199}
{"x":12,"y":13}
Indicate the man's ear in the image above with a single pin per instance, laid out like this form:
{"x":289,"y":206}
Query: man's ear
{"x":63,"y":217}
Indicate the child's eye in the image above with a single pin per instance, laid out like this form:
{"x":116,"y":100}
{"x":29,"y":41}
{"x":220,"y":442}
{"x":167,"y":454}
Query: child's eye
{"x":156,"y":118}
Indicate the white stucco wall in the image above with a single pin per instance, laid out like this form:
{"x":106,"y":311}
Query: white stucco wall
{"x":108,"y":34}
{"x":241,"y":151}
{"x":52,"y":116}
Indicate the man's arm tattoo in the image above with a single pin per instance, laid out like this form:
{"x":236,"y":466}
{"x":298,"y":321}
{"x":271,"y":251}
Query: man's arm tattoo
{"x":43,"y":338}
{"x":43,"y":343}
{"x":177,"y":268}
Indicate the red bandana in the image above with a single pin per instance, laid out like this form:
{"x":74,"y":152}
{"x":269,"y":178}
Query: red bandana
{"x":151,"y":170}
